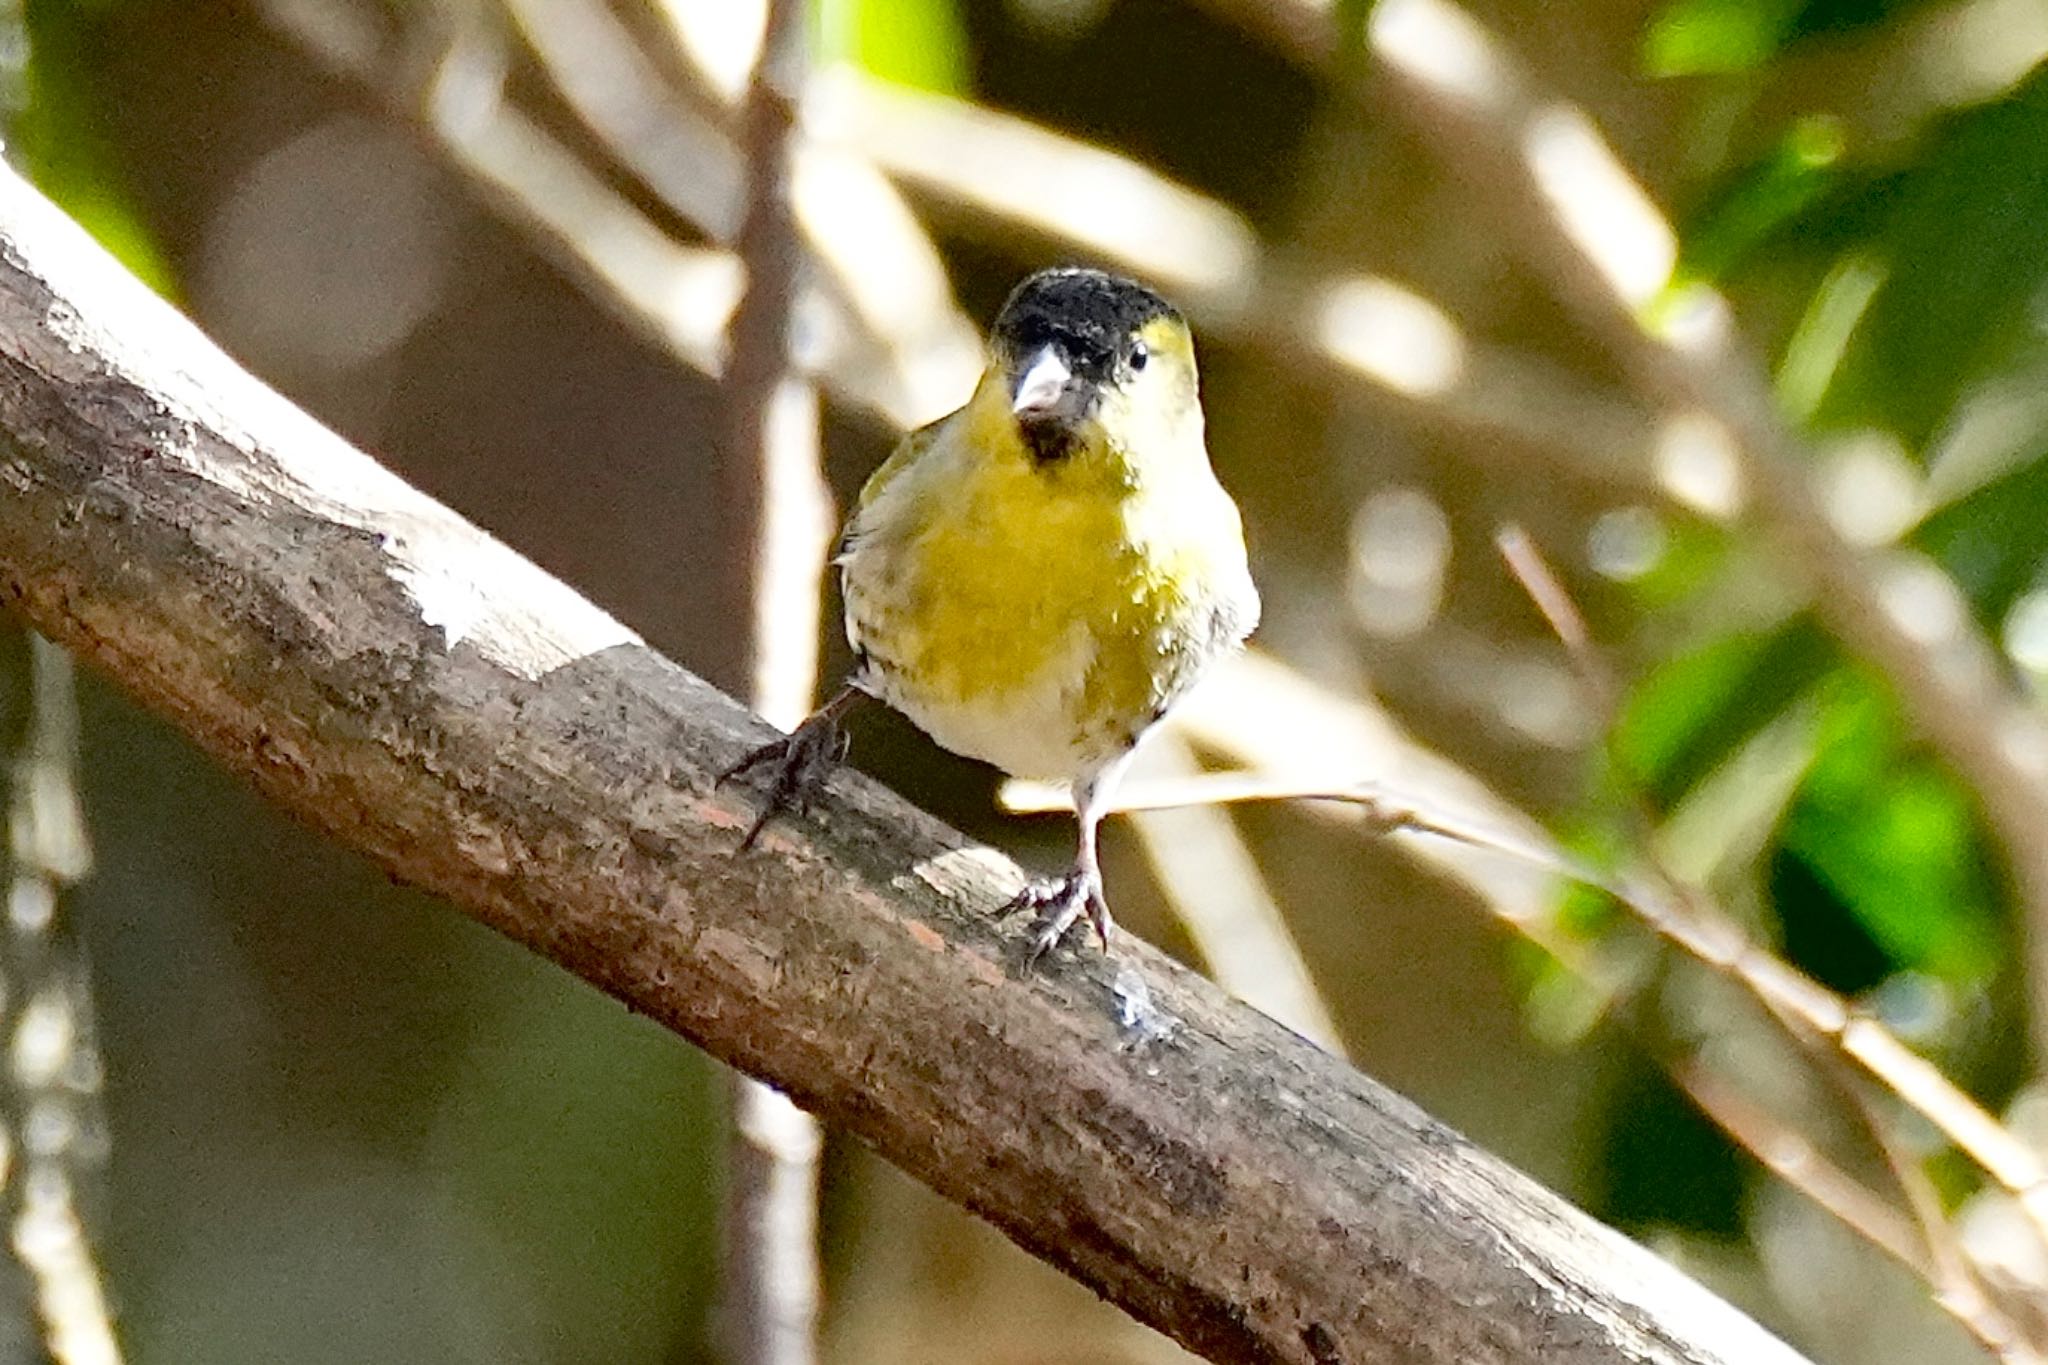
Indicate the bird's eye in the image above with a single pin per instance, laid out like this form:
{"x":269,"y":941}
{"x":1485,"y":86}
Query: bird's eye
{"x":1139,"y":355}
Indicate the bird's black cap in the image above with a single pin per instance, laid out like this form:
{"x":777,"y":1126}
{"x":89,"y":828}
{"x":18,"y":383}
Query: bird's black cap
{"x":1091,"y":314}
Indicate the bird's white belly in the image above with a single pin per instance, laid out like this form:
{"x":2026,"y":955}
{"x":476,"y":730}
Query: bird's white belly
{"x":1033,"y":729}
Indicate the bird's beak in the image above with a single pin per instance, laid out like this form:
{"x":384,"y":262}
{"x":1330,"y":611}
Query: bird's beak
{"x":1047,"y":391}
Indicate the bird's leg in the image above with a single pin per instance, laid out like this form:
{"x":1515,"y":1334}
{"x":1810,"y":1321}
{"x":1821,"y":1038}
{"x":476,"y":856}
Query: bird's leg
{"x":800,"y":760}
{"x":1059,"y":901}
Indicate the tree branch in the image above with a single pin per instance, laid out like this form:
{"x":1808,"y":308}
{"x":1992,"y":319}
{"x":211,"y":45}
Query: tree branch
{"x":414,"y":689}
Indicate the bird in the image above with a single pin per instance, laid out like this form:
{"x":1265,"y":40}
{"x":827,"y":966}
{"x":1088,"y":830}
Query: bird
{"x":1035,"y":579}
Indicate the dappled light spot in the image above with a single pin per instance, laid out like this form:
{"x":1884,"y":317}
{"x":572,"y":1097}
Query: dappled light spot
{"x":1062,"y":20}
{"x":722,"y":41}
{"x":1392,"y":336}
{"x":1692,"y":318}
{"x":1698,"y":464}
{"x":1923,"y":602}
{"x":31,"y":904}
{"x":1982,"y":49}
{"x":1624,"y":543}
{"x":2026,"y":631}
{"x":1918,"y":1007}
{"x":49,"y":1237}
{"x":2024,"y":744}
{"x":329,"y":251}
{"x":43,"y":1039}
{"x":1995,"y":1231}
{"x":1870,"y":490}
{"x":1440,"y":44}
{"x":1400,"y":551}
{"x":453,"y":603}
{"x":953,"y":872}
{"x":1599,"y":204}
{"x":1540,"y":701}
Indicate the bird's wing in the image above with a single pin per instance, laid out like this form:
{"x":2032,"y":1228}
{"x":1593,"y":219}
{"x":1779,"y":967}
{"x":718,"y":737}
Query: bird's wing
{"x":905,"y":455}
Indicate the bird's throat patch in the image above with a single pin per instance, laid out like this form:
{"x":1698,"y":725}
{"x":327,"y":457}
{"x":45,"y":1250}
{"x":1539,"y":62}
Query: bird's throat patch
{"x":1049,"y":442}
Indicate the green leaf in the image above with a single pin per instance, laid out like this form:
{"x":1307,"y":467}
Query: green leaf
{"x":1700,"y":37}
{"x":61,"y":142}
{"x":1758,"y":199}
{"x":1963,"y":235}
{"x":1895,"y":840}
{"x":921,"y":43}
{"x":1664,"y":1163}
{"x":1994,"y":541}
{"x":1725,"y":822}
{"x":1724,"y":37}
{"x":1353,"y":17}
{"x":1824,"y":18}
{"x":1813,"y":354}
{"x":1690,"y":713}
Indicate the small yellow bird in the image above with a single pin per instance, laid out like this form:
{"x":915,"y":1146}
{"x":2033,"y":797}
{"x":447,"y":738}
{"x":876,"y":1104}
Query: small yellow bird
{"x":1037,"y":577}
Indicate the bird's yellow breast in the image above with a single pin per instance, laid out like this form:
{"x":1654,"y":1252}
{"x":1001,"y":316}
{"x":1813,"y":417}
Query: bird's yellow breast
{"x":1037,"y":616}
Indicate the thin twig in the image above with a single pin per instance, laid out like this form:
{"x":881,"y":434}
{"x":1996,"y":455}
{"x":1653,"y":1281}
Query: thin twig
{"x":1562,"y":615}
{"x":1808,"y":1009}
{"x":679,"y":297}
{"x":1215,"y":888}
{"x":1788,"y":1154}
{"x":53,"y":1130}
{"x":1237,"y":707}
{"x":1721,"y":948}
{"x":772,"y":258}
{"x":1959,"y":1286}
{"x":1947,"y":1271}
{"x":1259,"y":712}
{"x":1565,"y":202}
{"x":698,"y":169}
{"x":1385,"y":811}
{"x":912,"y":350}
{"x":774,"y":555}
{"x":1774,"y":983}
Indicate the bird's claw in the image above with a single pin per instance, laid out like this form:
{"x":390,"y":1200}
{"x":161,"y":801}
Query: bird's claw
{"x":800,"y":759}
{"x":1057,"y":902}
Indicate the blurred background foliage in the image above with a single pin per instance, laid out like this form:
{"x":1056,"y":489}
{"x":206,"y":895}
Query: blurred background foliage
{"x":348,"y":1125}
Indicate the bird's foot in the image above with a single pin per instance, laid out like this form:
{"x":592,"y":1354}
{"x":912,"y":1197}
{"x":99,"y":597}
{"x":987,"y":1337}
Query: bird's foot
{"x":798,"y":763}
{"x":1058,"y":902}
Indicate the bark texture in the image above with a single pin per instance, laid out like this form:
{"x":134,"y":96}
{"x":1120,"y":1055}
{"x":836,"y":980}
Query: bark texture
{"x":414,"y":689}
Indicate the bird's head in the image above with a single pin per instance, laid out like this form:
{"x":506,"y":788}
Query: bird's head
{"x":1083,"y":363}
